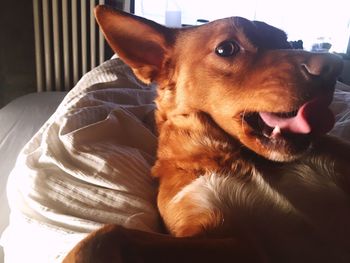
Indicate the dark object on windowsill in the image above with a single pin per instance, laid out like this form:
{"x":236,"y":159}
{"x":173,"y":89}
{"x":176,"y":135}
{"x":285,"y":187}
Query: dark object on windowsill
{"x":198,"y":23}
{"x":321,"y":47}
{"x":297,"y":44}
{"x":201,"y":21}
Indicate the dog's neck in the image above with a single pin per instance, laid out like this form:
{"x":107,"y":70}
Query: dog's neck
{"x":195,"y":142}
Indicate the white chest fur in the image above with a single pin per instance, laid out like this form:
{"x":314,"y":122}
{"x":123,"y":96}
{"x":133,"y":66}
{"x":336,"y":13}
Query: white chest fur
{"x":297,"y":215}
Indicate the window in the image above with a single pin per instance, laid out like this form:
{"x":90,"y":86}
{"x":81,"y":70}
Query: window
{"x":308,"y":20}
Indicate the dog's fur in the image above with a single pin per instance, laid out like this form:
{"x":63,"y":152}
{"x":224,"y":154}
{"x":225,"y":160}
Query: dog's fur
{"x":227,"y":185}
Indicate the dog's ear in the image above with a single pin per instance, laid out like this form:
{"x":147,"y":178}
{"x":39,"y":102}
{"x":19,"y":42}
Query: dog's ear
{"x":141,"y":43}
{"x":271,"y":37}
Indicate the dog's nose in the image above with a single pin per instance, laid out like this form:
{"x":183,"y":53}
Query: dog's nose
{"x":324,"y":65}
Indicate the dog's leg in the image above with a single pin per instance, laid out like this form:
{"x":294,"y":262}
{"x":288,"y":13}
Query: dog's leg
{"x":184,"y":212}
{"x":116,"y":244}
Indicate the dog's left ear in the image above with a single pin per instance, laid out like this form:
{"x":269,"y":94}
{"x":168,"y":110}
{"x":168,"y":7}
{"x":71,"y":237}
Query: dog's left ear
{"x":263,"y":35}
{"x":142,"y":44}
{"x":271,"y":37}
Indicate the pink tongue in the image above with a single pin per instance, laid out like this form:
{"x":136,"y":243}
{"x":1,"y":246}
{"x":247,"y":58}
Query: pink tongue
{"x":313,"y":117}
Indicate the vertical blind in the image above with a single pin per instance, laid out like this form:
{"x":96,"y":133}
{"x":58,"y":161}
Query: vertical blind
{"x":68,"y":42}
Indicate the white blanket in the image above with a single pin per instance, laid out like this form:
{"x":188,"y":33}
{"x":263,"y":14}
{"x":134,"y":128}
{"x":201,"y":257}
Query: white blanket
{"x":87,"y":166}
{"x":90,"y":165}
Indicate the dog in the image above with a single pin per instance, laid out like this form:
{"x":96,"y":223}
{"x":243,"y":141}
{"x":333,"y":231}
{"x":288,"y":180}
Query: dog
{"x":246,"y":170}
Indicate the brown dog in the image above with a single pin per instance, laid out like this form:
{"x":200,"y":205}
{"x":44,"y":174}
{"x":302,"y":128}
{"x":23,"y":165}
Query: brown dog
{"x":245,"y":171}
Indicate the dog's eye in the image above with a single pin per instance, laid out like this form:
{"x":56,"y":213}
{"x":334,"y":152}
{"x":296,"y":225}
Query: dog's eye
{"x":227,"y":49}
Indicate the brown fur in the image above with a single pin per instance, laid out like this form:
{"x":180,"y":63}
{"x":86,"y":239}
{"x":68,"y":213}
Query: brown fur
{"x":203,"y":100}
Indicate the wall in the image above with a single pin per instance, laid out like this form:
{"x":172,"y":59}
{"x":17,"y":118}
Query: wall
{"x":17,"y":61}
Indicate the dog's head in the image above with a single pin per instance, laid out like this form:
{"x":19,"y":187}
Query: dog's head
{"x":241,"y":74}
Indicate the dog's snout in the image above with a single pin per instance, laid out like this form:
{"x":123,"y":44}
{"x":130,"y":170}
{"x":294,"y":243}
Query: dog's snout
{"x":324,"y":65}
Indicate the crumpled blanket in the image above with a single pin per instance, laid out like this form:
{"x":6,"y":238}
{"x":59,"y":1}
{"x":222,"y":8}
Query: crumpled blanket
{"x":87,"y":166}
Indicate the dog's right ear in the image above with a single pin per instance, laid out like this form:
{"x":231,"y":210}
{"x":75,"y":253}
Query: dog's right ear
{"x":142,"y":44}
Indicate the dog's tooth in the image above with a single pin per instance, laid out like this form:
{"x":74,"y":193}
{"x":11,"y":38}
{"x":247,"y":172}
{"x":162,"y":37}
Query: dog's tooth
{"x":276,"y":132}
{"x":267,"y":135}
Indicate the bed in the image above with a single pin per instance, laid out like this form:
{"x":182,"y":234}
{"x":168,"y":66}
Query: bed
{"x":75,"y":161}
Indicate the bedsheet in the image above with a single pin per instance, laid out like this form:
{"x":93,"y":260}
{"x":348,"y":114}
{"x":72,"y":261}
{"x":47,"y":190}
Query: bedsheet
{"x":20,"y":120}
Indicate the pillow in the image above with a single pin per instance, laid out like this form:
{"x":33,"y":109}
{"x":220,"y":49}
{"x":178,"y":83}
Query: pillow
{"x":87,"y":166}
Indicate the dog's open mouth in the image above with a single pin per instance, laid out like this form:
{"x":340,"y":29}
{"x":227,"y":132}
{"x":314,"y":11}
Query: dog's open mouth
{"x":292,"y":128}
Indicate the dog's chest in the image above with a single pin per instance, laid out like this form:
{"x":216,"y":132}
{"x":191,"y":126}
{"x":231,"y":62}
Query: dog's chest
{"x":297,"y":212}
